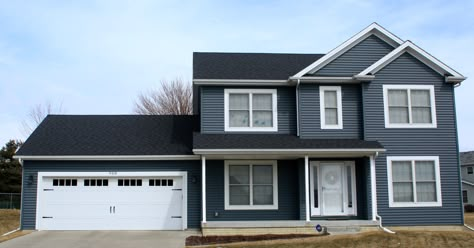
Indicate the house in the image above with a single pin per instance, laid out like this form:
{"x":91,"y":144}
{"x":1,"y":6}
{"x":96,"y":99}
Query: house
{"x":362,"y":135}
{"x":467,"y":176}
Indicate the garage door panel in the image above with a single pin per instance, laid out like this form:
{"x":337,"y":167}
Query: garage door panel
{"x":118,"y":204}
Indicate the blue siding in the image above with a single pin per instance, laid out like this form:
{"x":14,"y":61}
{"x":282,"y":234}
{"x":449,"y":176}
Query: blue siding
{"x":212,"y":109}
{"x":440,"y":141}
{"x":31,"y":169}
{"x":287,"y":195}
{"x":357,"y":58}
{"x":310,"y":117}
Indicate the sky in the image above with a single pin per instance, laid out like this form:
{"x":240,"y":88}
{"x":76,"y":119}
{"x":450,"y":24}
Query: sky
{"x":95,"y":57}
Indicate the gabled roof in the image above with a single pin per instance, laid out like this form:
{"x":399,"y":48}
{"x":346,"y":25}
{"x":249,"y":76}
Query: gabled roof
{"x":420,"y":54}
{"x":249,"y":66}
{"x":467,"y":158}
{"x":372,"y":29}
{"x":111,"y":135}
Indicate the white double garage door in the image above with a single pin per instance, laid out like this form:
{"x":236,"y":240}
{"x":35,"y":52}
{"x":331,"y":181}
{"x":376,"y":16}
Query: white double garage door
{"x":111,"y":201}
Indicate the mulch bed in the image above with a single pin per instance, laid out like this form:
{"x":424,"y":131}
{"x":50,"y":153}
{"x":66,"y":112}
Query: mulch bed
{"x":213,"y":240}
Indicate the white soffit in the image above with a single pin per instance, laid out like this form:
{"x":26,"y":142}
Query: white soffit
{"x":373,"y":28}
{"x":418,"y":53}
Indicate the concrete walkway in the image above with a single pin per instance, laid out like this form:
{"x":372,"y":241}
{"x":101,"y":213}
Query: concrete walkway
{"x":91,"y":239}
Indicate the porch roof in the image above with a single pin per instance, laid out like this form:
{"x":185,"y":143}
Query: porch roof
{"x":278,"y":143}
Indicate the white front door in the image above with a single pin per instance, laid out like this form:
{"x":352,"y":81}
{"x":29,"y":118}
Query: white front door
{"x":332,"y":187}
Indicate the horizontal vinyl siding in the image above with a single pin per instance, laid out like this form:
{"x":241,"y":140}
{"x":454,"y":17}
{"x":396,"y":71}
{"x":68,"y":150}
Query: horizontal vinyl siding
{"x":31,"y":169}
{"x":357,"y":58}
{"x":310,"y":116}
{"x":440,"y":141}
{"x":212,"y":109}
{"x":287,"y":195}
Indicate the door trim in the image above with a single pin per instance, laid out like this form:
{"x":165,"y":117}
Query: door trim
{"x":316,"y":212}
{"x":111,"y":174}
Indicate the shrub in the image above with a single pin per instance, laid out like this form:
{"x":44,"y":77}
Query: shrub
{"x":468,"y":208}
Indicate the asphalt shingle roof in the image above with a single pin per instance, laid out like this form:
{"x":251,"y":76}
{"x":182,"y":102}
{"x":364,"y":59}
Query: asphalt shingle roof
{"x":112,"y":135}
{"x":276,"y":141}
{"x":275,"y":66}
{"x":467,"y":158}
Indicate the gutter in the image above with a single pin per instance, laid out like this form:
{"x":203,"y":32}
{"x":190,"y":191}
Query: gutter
{"x":298,"y":108}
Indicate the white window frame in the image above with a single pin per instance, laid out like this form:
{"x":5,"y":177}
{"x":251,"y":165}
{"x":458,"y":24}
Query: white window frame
{"x":322,"y":107}
{"x":274,"y":206}
{"x":228,"y":128}
{"x":413,"y":159}
{"x":433,"y":123}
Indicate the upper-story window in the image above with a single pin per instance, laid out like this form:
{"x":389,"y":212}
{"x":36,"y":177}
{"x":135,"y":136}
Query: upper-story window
{"x":330,"y":107}
{"x":409,"y":106}
{"x":469,"y":170}
{"x":250,"y":110}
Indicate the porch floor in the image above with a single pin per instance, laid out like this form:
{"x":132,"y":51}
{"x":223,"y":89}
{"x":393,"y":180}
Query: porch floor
{"x":289,"y":223}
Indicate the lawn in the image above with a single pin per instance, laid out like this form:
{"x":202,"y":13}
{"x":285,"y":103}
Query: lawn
{"x":10,"y":220}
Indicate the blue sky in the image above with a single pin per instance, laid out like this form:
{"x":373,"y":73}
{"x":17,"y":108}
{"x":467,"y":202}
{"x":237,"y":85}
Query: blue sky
{"x":94,"y":57}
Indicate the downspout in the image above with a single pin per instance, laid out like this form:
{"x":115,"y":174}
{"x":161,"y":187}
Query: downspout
{"x":298,"y":108}
{"x":377,"y":216}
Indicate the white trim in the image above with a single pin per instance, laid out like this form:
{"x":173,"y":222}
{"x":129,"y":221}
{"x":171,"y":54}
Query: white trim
{"x":203,"y":188}
{"x":413,"y":159}
{"x":109,"y":157}
{"x":338,"y":80}
{"x":407,"y":87}
{"x":468,"y":183}
{"x":227,"y":206}
{"x":418,"y":53}
{"x":248,"y":82}
{"x":285,"y":151}
{"x":108,"y":174}
{"x":373,"y":28}
{"x":322,"y":107}
{"x":306,"y":186}
{"x":373,"y":187}
{"x":274,"y":128}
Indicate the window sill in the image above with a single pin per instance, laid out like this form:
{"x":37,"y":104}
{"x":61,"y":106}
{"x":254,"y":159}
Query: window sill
{"x":251,"y":129}
{"x":414,"y":205}
{"x":248,"y":207}
{"x":410,"y":126}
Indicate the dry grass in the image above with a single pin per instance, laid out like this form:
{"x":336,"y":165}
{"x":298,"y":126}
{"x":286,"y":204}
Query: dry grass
{"x":374,"y":239}
{"x":469,"y":219}
{"x":10,"y":220}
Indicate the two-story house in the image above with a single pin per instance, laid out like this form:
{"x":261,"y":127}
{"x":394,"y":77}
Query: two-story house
{"x":361,"y":135}
{"x":467,"y":176}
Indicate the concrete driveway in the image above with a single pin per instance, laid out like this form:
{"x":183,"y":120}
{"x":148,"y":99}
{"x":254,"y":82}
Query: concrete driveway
{"x":89,"y":239}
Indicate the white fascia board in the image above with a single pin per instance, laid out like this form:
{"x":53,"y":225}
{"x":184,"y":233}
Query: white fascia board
{"x":418,"y":53}
{"x":373,"y":28}
{"x":337,"y":80}
{"x":95,"y":158}
{"x":248,"y":82}
{"x":468,"y":183}
{"x":283,"y":151}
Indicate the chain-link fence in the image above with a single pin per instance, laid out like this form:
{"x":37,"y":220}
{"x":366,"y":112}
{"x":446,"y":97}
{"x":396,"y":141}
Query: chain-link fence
{"x":10,"y":200}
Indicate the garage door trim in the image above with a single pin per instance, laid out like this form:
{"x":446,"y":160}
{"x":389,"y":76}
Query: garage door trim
{"x":109,"y":174}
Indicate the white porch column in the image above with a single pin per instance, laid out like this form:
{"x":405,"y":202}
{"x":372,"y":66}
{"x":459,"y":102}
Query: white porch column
{"x":203,"y":187}
{"x":306,"y":186}
{"x":373,"y":186}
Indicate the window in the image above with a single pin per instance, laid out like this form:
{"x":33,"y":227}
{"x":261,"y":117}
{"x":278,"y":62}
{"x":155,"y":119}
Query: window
{"x":96,"y":182}
{"x":64,"y":182}
{"x":160,"y":182}
{"x":414,"y":181}
{"x":250,"y":110}
{"x":330,"y":104}
{"x":464,"y":196}
{"x":409,"y":106}
{"x":251,"y":185}
{"x":130,"y":182}
{"x":469,"y":170}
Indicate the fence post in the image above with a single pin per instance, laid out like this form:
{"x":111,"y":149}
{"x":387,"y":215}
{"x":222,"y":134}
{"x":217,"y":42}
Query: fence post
{"x":11,"y":201}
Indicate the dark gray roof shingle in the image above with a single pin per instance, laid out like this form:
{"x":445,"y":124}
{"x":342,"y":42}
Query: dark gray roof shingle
{"x":270,"y":66}
{"x":467,"y":158}
{"x":112,"y":135}
{"x":276,"y":141}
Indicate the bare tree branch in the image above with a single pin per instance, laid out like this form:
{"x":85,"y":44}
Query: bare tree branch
{"x":174,"y":98}
{"x":36,"y":115}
